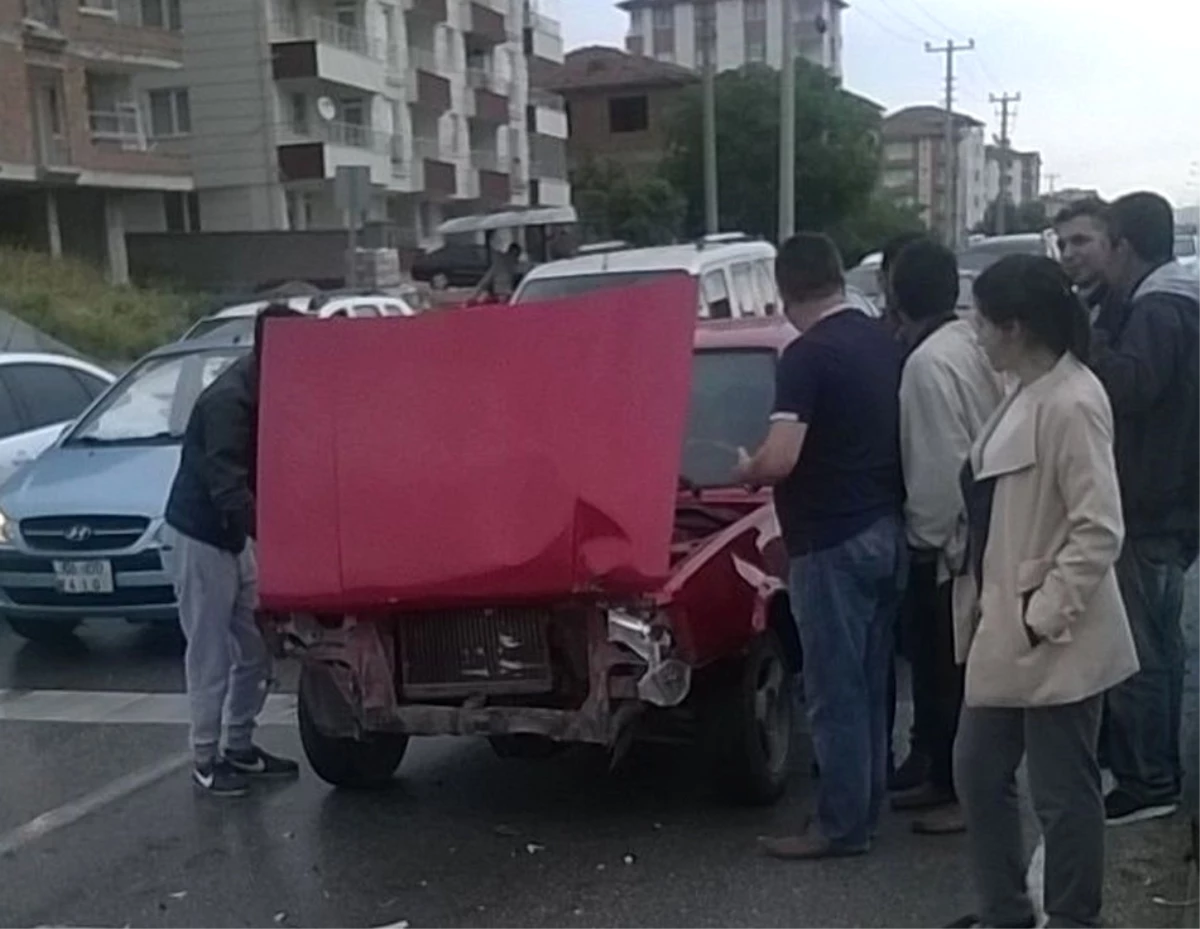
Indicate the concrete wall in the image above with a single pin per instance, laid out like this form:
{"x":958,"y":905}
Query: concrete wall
{"x":590,"y":136}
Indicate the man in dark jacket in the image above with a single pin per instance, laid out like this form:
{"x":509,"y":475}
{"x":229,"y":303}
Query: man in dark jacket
{"x":1146,"y":353}
{"x":211,"y":511}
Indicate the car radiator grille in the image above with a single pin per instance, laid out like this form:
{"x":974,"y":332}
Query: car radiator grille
{"x":462,"y":652}
{"x":83,"y":533}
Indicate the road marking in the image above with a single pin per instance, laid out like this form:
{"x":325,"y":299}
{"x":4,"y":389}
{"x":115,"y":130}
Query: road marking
{"x":120,"y":707}
{"x":72,"y":812}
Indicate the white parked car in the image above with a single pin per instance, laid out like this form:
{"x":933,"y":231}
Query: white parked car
{"x":358,"y":306}
{"x":40,"y":395}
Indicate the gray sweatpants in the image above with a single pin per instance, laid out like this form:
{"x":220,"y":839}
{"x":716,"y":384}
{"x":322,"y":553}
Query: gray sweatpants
{"x":227,"y":663}
{"x":1064,"y":780}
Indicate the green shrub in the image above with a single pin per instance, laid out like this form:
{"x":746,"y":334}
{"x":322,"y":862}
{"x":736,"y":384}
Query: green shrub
{"x":71,"y":301}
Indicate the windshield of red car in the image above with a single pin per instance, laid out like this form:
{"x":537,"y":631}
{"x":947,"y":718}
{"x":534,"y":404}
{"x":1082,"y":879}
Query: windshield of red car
{"x":555,"y":288}
{"x":732,"y":394}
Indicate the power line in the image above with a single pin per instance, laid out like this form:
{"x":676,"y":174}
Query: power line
{"x":917,"y":28}
{"x":884,"y":26}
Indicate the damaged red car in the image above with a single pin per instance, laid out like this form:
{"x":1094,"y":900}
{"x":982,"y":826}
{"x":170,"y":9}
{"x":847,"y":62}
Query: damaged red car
{"x":520,"y":524}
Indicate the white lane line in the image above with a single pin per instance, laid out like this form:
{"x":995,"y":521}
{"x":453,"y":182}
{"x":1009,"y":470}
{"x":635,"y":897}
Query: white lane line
{"x":119,"y":707}
{"x":68,"y":813}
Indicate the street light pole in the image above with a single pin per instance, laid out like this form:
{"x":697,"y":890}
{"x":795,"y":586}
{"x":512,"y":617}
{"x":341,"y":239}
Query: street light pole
{"x":787,"y":128}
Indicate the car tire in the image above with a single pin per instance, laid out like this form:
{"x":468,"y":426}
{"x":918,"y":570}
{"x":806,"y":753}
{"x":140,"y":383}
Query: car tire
{"x":365,"y":763}
{"x":751,"y":722}
{"x":524,"y":746}
{"x":49,"y":631}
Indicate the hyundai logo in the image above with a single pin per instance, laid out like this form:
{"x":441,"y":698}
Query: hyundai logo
{"x":79,"y":534}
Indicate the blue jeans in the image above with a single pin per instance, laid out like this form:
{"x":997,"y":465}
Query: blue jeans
{"x":1144,"y":711}
{"x":845,"y":600}
{"x":1190,"y":736}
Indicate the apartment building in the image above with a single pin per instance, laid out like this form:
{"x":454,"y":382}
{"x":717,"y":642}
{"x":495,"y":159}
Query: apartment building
{"x":93,"y":125}
{"x":1024,"y":174}
{"x":743,"y":31}
{"x":916,"y":169}
{"x":431,"y":96}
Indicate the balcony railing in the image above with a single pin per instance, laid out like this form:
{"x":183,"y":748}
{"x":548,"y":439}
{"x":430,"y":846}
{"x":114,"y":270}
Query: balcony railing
{"x":122,"y":124}
{"x":424,"y":59}
{"x":331,"y":32}
{"x":487,"y":160}
{"x":426,"y":147}
{"x":483,"y":79}
{"x":43,"y":12}
{"x":544,"y":98}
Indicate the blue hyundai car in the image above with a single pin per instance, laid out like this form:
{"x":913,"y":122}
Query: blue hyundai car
{"x":81,"y":526}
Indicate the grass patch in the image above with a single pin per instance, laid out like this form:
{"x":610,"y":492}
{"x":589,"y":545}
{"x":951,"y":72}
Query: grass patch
{"x":71,"y":301}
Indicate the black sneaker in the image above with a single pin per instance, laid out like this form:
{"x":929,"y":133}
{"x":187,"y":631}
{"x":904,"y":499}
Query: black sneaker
{"x":219,"y":779}
{"x":254,"y":762}
{"x":1120,"y":808}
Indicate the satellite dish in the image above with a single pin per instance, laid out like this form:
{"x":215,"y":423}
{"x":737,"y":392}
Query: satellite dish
{"x":326,"y":109}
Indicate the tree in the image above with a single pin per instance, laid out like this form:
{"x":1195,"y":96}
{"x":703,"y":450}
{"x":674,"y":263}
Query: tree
{"x":837,"y":151}
{"x":616,"y":203}
{"x":1029,"y":216}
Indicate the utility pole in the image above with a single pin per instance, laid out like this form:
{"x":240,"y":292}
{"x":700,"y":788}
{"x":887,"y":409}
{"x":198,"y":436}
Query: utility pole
{"x":787,"y":128}
{"x":949,"y":141}
{"x":708,"y":53}
{"x":1051,"y":180}
{"x":1005,"y":160}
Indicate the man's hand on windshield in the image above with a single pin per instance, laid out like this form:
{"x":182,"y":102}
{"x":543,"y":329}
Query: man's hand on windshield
{"x":744,"y":468}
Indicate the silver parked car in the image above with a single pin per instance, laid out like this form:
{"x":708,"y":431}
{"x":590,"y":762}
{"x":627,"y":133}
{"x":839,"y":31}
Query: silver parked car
{"x":81,"y":526}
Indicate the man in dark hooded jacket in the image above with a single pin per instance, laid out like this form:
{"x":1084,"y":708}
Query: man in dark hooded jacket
{"x":1146,"y":353}
{"x":211,"y":512}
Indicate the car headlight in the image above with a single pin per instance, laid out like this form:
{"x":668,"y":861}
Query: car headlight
{"x":7,"y":529}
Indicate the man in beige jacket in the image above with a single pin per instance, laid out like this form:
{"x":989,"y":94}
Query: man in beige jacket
{"x":947,"y":392}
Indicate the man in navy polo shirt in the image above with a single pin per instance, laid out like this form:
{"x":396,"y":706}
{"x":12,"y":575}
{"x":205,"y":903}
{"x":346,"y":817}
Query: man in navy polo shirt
{"x":833,"y":456}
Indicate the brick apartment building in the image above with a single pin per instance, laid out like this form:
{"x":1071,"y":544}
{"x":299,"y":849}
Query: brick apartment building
{"x":619,"y":105}
{"x":92,"y":127}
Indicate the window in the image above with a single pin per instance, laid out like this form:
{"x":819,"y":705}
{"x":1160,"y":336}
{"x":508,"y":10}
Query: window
{"x":664,"y":32}
{"x":664,"y":17}
{"x":91,"y":384}
{"x":715,"y":293}
{"x":10,"y":420}
{"x":747,"y":300}
{"x":298,"y":105}
{"x":107,"y":7}
{"x":756,"y":11}
{"x":170,"y":113}
{"x":366,"y":311}
{"x":764,"y":282}
{"x":628,"y":114}
{"x":163,"y":14}
{"x":731,"y":397}
{"x":48,"y":394}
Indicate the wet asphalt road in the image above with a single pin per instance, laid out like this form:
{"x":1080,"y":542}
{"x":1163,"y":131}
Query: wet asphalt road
{"x":463,"y":838}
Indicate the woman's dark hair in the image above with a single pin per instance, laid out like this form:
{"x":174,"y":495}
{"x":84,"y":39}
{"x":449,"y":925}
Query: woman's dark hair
{"x":1035,"y":292}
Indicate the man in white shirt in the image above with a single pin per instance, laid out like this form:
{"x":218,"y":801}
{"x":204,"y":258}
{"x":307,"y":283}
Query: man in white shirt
{"x":947,"y":392}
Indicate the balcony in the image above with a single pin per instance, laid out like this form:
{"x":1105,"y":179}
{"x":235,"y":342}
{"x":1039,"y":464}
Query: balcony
{"x":41,"y":15}
{"x":316,"y":151}
{"x":429,"y":90}
{"x":319,"y":48}
{"x":121,"y":125}
{"x":495,"y":187}
{"x":428,"y":11}
{"x":118,"y":35}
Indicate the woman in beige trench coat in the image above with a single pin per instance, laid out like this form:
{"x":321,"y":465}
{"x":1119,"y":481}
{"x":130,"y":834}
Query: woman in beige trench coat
{"x":1039,"y":621}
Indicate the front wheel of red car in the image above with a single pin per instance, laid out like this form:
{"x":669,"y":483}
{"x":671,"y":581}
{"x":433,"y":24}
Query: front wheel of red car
{"x":752,"y":723}
{"x":357,"y":763}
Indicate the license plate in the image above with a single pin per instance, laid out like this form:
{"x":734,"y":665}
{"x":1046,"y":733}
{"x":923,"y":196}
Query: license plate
{"x":83,"y":577}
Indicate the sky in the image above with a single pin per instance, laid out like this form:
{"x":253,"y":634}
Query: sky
{"x":1110,"y":92}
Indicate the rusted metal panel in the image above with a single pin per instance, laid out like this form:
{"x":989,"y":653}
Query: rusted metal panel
{"x":440,"y":178}
{"x":490,"y":106}
{"x":302,"y":161}
{"x":292,"y":60}
{"x":487,"y":24}
{"x":433,"y":92}
{"x":495,"y":187}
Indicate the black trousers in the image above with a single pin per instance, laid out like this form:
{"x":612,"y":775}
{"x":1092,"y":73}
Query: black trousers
{"x":937,"y":681}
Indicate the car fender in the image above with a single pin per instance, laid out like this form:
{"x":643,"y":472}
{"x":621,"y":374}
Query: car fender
{"x":720,"y":596}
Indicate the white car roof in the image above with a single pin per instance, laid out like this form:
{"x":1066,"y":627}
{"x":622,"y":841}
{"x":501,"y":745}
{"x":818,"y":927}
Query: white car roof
{"x":692,"y":258}
{"x":64,"y":361}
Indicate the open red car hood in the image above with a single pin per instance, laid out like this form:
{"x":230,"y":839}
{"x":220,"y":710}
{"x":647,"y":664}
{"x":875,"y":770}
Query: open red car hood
{"x":476,"y":456}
